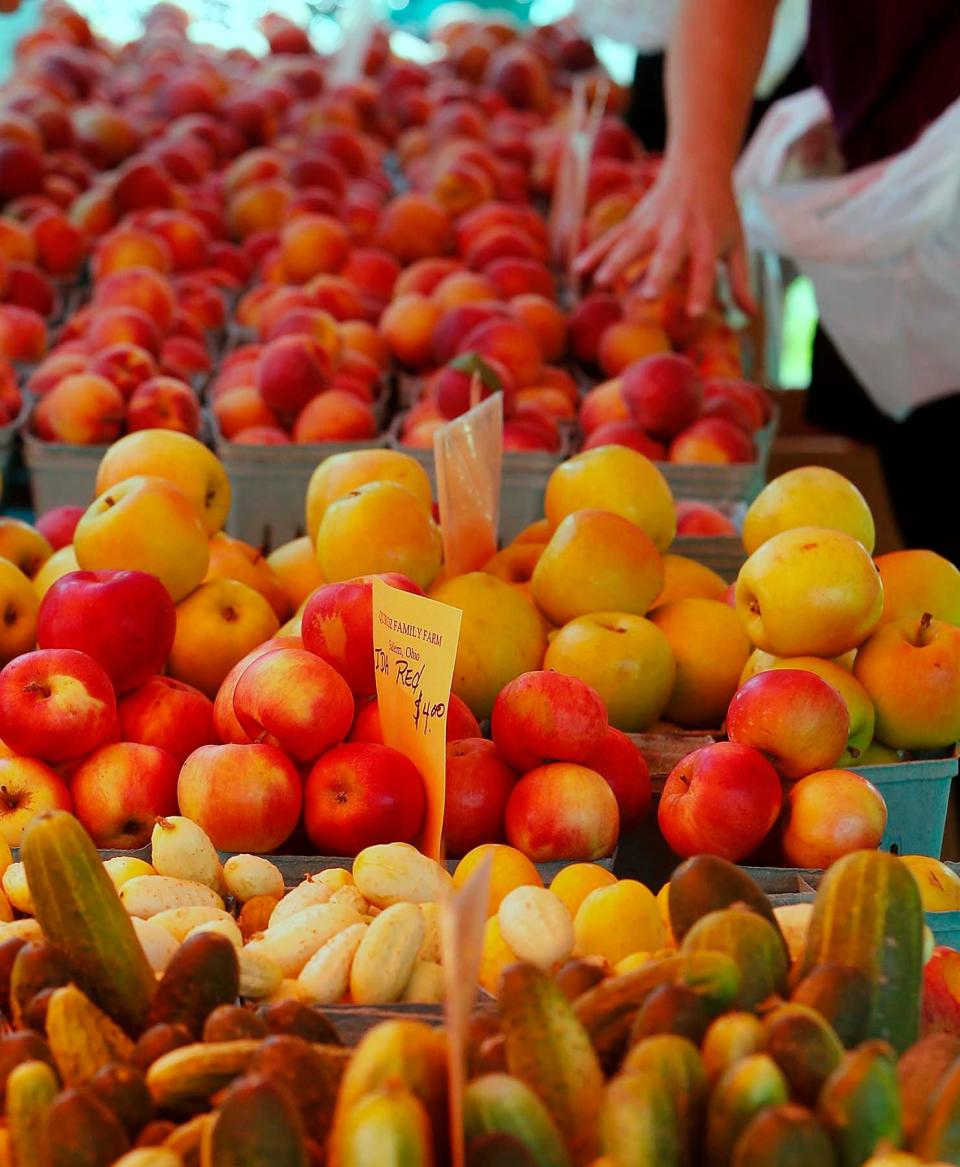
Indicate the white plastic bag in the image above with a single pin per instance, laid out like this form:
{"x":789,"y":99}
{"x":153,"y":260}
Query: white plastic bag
{"x":881,"y":245}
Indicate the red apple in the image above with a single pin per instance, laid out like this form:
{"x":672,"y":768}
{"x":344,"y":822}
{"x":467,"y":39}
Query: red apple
{"x":620,"y":762}
{"x":224,"y":719}
{"x":337,"y":625}
{"x":295,"y":700}
{"x":562,"y":811}
{"x":56,"y":704}
{"x":27,"y":788}
{"x":828,"y":814}
{"x":359,"y":794}
{"x":58,"y":525}
{"x":246,"y":797}
{"x":119,"y":792}
{"x":794,"y":718}
{"x":720,"y":800}
{"x":478,"y":786}
{"x":169,"y":714}
{"x":544,"y":715}
{"x":125,"y":620}
{"x":663,"y":393}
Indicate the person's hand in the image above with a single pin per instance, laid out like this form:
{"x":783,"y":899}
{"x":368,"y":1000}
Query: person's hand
{"x":688,"y":219}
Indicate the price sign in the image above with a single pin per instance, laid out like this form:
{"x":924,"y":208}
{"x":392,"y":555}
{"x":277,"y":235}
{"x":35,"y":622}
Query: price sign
{"x":414,"y":649}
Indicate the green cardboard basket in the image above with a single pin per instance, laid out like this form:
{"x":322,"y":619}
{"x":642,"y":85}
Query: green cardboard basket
{"x":916,"y":794}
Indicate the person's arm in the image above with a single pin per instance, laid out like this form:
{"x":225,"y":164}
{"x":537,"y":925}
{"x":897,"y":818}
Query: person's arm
{"x":690,"y":213}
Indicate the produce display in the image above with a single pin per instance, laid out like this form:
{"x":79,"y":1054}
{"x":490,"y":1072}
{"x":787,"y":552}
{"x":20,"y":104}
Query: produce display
{"x":744,"y":1043}
{"x":207,"y":252}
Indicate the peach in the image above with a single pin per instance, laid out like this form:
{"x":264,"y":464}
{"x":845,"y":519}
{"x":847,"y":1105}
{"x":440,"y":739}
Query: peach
{"x":125,"y":365}
{"x":733,"y":401}
{"x":465,"y":383}
{"x":338,"y":297}
{"x":456,"y":322}
{"x":23,"y":334}
{"x":786,"y":606}
{"x":413,"y":226}
{"x":257,"y":165}
{"x":602,"y":405}
{"x":84,"y":410}
{"x":710,"y":649}
{"x":239,"y":408}
{"x":311,"y":244}
{"x":712,"y":440}
{"x":340,"y":474}
{"x":58,"y":524}
{"x":663,"y":393}
{"x":111,"y":326}
{"x":296,"y":570}
{"x":625,"y":433}
{"x":616,"y":479}
{"x":596,"y":562}
{"x":290,"y":372}
{"x":261,"y":206}
{"x":372,"y":270}
{"x":335,"y":416}
{"x":547,"y":399}
{"x":314,"y":323}
{"x":25,"y":546}
{"x":809,"y":496}
{"x":127,"y":247}
{"x":361,"y":337}
{"x":118,"y":532}
{"x":262,"y":435}
{"x":19,"y":602}
{"x":184,"y":358}
{"x":623,"y":343}
{"x":407,"y":325}
{"x":293,"y":699}
{"x":829,"y":814}
{"x":545,"y":320}
{"x":424,"y":275}
{"x":624,"y":657}
{"x":16,"y":242}
{"x":911,"y":670}
{"x":185,"y":235}
{"x":200,"y":305}
{"x":588,"y":323}
{"x":378,"y":527}
{"x":915,"y":582}
{"x":512,"y":344}
{"x":697,"y":518}
{"x":54,"y":368}
{"x":501,"y":636}
{"x":501,"y":242}
{"x":164,"y":403}
{"x":141,"y":184}
{"x":21,"y":169}
{"x":169,"y":715}
{"x":28,"y":287}
{"x":233,"y":559}
{"x":178,"y":458}
{"x":513,"y":276}
{"x":463,"y":287}
{"x":92,"y":211}
{"x":217,"y":625}
{"x":138,"y":287}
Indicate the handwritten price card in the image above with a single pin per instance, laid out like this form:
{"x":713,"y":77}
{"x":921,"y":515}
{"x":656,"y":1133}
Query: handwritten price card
{"x":414,"y":650}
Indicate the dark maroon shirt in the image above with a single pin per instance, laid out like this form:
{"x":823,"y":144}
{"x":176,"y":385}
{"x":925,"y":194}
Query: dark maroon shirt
{"x":887,"y":67}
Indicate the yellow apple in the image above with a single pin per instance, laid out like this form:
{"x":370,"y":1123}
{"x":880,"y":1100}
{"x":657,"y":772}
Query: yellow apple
{"x":179,"y":458}
{"x":217,"y":625}
{"x":810,"y":496}
{"x":60,"y":563}
{"x":915,"y":582}
{"x":501,"y":636}
{"x":911,"y":669}
{"x":296,"y":568}
{"x":23,"y":545}
{"x":145,"y":524}
{"x":18,"y":604}
{"x":711,"y":649}
{"x":626,"y":658}
{"x":341,"y":473}
{"x":618,"y":479}
{"x":809,"y":591}
{"x":686,"y":579}
{"x":596,"y":561}
{"x":233,"y":559}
